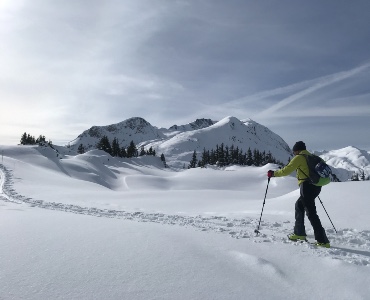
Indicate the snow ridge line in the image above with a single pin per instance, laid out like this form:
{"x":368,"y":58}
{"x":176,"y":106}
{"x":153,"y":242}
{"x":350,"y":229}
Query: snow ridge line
{"x":353,"y":245}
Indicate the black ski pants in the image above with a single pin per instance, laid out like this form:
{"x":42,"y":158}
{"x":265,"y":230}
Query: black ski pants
{"x":306,"y":203}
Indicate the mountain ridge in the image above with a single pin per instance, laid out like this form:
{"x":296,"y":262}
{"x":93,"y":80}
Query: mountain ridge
{"x":179,"y":141}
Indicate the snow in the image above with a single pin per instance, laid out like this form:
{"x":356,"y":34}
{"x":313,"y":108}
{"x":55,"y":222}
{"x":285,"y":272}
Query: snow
{"x":95,"y":227}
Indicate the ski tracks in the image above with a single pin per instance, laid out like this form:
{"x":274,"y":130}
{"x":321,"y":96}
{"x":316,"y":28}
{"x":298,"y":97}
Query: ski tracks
{"x":349,"y":245}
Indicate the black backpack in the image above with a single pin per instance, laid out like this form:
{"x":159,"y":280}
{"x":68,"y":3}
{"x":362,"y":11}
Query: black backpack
{"x":318,"y":169}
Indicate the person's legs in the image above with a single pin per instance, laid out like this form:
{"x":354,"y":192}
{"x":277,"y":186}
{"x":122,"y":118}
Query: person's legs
{"x":308,"y":194}
{"x":299,"y":228}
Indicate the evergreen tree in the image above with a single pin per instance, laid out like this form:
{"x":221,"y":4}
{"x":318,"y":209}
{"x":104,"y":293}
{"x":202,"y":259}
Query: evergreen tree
{"x":81,"y":149}
{"x":104,"y":145}
{"x":193,"y":162}
{"x":242,"y":159}
{"x":116,"y":150}
{"x":149,"y":151}
{"x":30,"y":140}
{"x":163,"y":159}
{"x":131,"y":150}
{"x":249,"y":161}
{"x":204,"y":159}
{"x":24,"y":139}
{"x":269,"y":159}
{"x":362,"y":175}
{"x":123,"y":152}
{"x":227,"y":156}
{"x":257,"y":158}
{"x":221,"y":156}
{"x":41,"y":139}
{"x":234,"y":155}
{"x":142,"y":151}
{"x":212,"y":157}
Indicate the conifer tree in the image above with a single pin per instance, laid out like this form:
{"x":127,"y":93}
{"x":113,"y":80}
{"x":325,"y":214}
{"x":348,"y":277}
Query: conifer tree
{"x":41,"y":139}
{"x":204,"y":159}
{"x":81,"y":149}
{"x":115,"y":148}
{"x":362,"y":175}
{"x":131,"y":150}
{"x":193,"y":162}
{"x":30,"y":140}
{"x":104,"y":145}
{"x":24,"y":139}
{"x":221,"y":156}
{"x":249,"y":161}
{"x":123,"y":152}
{"x":212,"y":157}
{"x":142,"y":151}
{"x":163,"y":159}
{"x":227,"y":156}
{"x":242,"y":159}
{"x":150,"y":151}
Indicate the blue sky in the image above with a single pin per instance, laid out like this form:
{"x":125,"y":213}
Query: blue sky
{"x":301,"y":68}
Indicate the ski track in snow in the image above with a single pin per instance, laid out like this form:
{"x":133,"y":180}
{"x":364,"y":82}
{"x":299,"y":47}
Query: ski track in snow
{"x":349,"y":245}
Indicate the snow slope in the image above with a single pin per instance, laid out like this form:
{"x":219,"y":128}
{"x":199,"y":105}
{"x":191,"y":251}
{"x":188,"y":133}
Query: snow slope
{"x":94,"y":227}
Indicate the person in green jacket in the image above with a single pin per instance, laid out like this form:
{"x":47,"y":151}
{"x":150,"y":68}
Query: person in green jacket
{"x":306,"y":201}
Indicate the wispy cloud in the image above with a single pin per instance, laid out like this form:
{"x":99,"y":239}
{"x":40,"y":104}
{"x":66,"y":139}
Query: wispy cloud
{"x":319,"y":84}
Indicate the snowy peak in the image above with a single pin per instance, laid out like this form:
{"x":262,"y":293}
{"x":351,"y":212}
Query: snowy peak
{"x":197,"y":124}
{"x":229,"y":131}
{"x":231,"y":122}
{"x":347,"y":161}
{"x":133,"y":129}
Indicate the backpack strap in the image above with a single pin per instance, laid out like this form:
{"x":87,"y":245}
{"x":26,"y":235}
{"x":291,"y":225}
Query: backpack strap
{"x":307,"y":177}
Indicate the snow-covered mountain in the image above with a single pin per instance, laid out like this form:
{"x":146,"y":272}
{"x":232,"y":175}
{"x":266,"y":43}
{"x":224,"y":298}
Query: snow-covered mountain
{"x":229,"y":131}
{"x":133,"y":129}
{"x":179,"y":142}
{"x":347,"y":161}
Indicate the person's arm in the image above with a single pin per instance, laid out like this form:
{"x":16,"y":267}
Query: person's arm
{"x":293,"y":165}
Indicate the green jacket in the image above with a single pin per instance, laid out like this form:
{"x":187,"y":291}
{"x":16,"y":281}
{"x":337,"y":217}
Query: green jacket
{"x":299,"y":164}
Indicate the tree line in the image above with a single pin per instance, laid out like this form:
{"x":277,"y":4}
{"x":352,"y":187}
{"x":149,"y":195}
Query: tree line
{"x":115,"y":150}
{"x":225,"y":155}
{"x":360,"y":176}
{"x":27,"y":139}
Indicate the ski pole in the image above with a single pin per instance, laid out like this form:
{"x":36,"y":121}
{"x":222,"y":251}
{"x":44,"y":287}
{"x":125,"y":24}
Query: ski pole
{"x":327,"y":214}
{"x":256,"y":231}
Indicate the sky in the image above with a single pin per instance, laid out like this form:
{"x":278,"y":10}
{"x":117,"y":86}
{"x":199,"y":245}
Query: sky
{"x":301,"y":68}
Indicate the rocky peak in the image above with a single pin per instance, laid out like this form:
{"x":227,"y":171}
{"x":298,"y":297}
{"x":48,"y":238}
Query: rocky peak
{"x":197,"y":124}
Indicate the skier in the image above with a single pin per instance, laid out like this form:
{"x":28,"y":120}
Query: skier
{"x":306,"y":201}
